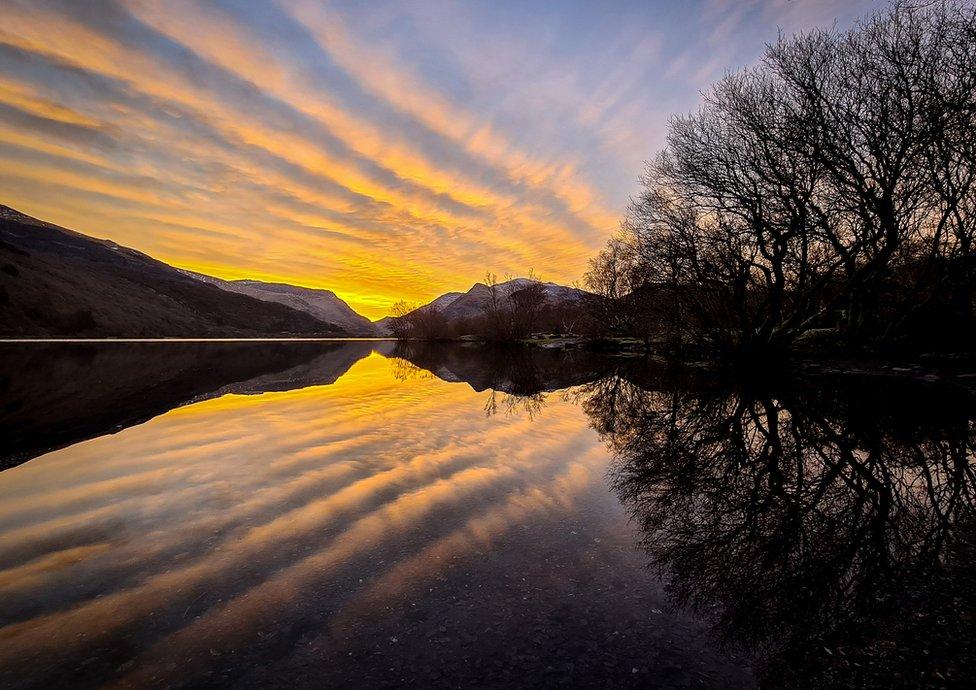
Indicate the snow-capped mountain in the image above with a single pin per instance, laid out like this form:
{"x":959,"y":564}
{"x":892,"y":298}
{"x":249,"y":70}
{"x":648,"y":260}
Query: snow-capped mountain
{"x":457,"y":306}
{"x":322,"y":304}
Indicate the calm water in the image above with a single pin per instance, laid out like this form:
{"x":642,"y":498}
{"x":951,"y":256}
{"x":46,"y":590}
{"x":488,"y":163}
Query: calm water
{"x":347,"y":514}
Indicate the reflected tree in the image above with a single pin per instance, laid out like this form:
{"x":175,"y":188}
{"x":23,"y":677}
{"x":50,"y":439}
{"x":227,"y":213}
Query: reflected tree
{"x":529,"y":404}
{"x":830,"y":532}
{"x":405,"y":370}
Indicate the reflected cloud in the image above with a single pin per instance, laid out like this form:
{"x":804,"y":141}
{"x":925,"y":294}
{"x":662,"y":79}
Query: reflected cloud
{"x":183,"y":535}
{"x":55,"y":394}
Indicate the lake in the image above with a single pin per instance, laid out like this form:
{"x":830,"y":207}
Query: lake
{"x":371,"y":514}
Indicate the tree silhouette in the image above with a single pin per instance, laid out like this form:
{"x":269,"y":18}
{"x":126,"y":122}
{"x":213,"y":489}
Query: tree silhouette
{"x":831,"y":186}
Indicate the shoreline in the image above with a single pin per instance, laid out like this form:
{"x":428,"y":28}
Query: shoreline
{"x":923,"y":365}
{"x":190,"y":340}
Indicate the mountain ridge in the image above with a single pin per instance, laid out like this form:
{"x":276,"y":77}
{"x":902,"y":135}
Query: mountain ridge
{"x":456,"y":307}
{"x":58,"y":282}
{"x":319,"y":302}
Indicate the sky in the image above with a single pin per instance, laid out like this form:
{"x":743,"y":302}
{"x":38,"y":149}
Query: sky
{"x":383,"y":150}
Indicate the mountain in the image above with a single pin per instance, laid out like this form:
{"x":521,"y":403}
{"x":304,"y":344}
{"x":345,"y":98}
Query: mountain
{"x":460,"y":306}
{"x":56,"y":282}
{"x":322,"y":304}
{"x":475,"y":301}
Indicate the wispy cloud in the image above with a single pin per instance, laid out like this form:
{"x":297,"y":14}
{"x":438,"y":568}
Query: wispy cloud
{"x":384,"y":151}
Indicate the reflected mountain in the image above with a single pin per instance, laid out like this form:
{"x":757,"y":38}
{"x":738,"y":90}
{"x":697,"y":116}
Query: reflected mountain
{"x":828,"y":529}
{"x":58,"y":394}
{"x":523,"y":376}
{"x":513,"y":370}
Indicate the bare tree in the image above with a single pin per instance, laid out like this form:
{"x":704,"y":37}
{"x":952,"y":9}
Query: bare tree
{"x":495,"y":309}
{"x":524,"y":308}
{"x":425,"y":323}
{"x":399,"y":324}
{"x":831,"y":186}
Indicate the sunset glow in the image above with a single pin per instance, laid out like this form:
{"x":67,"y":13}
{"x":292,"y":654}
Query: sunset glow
{"x":487,"y":344}
{"x":384,"y":151}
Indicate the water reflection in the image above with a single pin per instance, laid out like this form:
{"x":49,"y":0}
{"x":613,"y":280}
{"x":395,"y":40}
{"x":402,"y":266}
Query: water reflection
{"x":368,"y":514}
{"x":54,"y":395}
{"x":828,"y":528}
{"x":373,"y":528}
{"x":516,"y":371}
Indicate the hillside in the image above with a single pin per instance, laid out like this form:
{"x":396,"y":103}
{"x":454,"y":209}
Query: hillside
{"x":58,"y":283}
{"x":322,"y":304}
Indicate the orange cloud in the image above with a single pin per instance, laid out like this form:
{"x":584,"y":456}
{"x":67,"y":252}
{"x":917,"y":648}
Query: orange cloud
{"x":299,"y":188}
